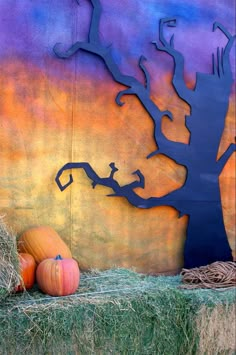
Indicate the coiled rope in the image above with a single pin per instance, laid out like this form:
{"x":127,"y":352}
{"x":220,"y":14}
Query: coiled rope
{"x":216,"y":275}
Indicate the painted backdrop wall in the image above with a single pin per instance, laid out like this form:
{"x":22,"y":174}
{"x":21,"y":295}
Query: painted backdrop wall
{"x":54,"y":111}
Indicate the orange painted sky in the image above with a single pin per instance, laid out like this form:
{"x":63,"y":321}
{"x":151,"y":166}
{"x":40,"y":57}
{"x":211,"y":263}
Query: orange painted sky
{"x":46,"y":122}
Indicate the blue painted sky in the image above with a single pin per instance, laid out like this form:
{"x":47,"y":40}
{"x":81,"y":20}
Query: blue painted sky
{"x":29,"y":29}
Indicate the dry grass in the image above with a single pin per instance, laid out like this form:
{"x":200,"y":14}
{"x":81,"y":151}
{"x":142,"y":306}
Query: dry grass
{"x":9,"y":263}
{"x":113,"y":312}
{"x":120,"y":312}
{"x":217,"y":329}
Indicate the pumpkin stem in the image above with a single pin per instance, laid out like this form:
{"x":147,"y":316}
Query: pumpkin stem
{"x":58,"y":257}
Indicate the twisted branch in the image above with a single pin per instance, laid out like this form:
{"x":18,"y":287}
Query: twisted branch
{"x":126,"y":191}
{"x":134,"y":87}
{"x":178,"y":77}
{"x":225,"y":157}
{"x":223,"y":62}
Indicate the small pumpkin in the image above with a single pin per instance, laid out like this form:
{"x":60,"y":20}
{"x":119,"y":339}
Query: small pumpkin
{"x":42,"y":243}
{"x":27,"y":266}
{"x":58,"y":276}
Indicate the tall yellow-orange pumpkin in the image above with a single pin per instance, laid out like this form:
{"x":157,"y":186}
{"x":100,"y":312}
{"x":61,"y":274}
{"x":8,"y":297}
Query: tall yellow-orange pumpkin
{"x":58,"y":276}
{"x":42,"y":243}
{"x":27,"y":271}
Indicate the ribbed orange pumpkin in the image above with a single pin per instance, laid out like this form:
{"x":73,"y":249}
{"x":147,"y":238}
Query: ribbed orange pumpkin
{"x":27,"y":271}
{"x":58,"y":277}
{"x":42,"y":243}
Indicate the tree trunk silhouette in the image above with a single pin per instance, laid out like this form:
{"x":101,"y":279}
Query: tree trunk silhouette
{"x":203,"y":238}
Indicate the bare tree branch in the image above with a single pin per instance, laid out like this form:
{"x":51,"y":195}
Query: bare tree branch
{"x":178,"y":77}
{"x":224,"y":62}
{"x":94,"y":46}
{"x":121,"y":93}
{"x":146,"y":73}
{"x":126,"y":191}
{"x":225,"y":157}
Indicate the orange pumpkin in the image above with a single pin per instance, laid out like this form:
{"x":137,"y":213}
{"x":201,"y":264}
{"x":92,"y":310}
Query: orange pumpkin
{"x":42,"y":243}
{"x":58,"y":277}
{"x":27,"y":272}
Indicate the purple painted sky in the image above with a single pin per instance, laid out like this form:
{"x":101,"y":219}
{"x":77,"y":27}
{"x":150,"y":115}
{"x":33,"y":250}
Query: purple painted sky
{"x":29,"y":30}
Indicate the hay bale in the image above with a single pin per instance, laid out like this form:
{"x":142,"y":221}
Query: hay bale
{"x":217,"y":329}
{"x":9,"y":262}
{"x":116,"y":312}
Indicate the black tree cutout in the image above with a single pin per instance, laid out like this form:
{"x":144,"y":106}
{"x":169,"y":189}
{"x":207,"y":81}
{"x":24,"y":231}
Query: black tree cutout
{"x":199,"y":197}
